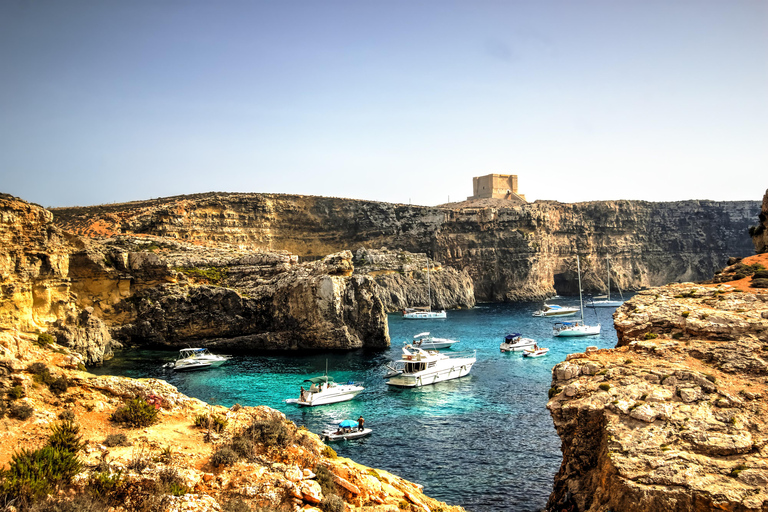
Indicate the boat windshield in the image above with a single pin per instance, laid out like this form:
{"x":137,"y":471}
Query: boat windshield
{"x":415,"y":367}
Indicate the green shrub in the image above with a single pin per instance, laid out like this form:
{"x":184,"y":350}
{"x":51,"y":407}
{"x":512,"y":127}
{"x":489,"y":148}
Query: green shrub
{"x":116,"y":440}
{"x":759,"y":283}
{"x":140,"y":459}
{"x":685,"y":314}
{"x":44,"y":377}
{"x":67,"y":415}
{"x":20,"y":411}
{"x":135,"y":413}
{"x":329,"y":452}
{"x":242,"y":446}
{"x":102,"y":483}
{"x":605,"y":386}
{"x":215,"y":422}
{"x":36,"y":368}
{"x":271,"y":432}
{"x":650,"y":336}
{"x":59,"y":386}
{"x":628,"y":361}
{"x":64,"y":436}
{"x":332,"y":503}
{"x":324,"y":477}
{"x":224,"y":456}
{"x":15,"y":392}
{"x":553,"y":391}
{"x":34,"y":474}
{"x":45,"y":339}
{"x":171,"y":481}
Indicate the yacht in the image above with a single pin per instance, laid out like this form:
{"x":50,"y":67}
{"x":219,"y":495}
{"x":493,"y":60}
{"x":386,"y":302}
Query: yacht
{"x":418,"y":367}
{"x":196,"y":359}
{"x":323,"y":390}
{"x":424,"y":313}
{"x":428,"y":342}
{"x":516,"y":343}
{"x":577,"y":328}
{"x":605,"y":301}
{"x":555,"y":310}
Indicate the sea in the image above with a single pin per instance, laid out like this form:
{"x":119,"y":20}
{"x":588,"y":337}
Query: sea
{"x":485,"y":441}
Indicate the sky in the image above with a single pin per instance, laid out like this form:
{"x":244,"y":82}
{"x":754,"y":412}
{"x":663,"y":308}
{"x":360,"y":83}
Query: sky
{"x":402,"y":101}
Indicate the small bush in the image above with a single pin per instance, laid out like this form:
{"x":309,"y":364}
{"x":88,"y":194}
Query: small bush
{"x":171,"y":481}
{"x":759,"y":283}
{"x":650,"y":336}
{"x":136,"y":413}
{"x":20,"y":411}
{"x":271,"y":432}
{"x":605,"y":386}
{"x":329,"y":452}
{"x":102,"y":484}
{"x":140,"y":459}
{"x":685,"y":314}
{"x":324,"y":477}
{"x":215,"y":422}
{"x":224,"y":456}
{"x":553,"y":391}
{"x":44,"y":377}
{"x":628,"y":361}
{"x":44,"y":339}
{"x":59,"y":386}
{"x":67,"y":415}
{"x":34,"y":474}
{"x":15,"y":392}
{"x":242,"y":446}
{"x":332,"y":503}
{"x":116,"y":440}
{"x":64,"y":436}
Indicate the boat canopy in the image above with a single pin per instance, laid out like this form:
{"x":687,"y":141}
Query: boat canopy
{"x":319,"y":380}
{"x":512,"y":336}
{"x":348,"y":424}
{"x":421,"y":335}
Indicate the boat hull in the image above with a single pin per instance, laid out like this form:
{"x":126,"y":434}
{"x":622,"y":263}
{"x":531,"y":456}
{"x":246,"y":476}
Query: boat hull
{"x":536,"y":353}
{"x":605,"y":303}
{"x":335,"y":395}
{"x":579,"y":330}
{"x":327,"y":435}
{"x":523,"y":344}
{"x":458,"y":368}
{"x":424,"y":315}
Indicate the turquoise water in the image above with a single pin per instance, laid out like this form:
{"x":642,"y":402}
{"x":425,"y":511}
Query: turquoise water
{"x":485,"y":442}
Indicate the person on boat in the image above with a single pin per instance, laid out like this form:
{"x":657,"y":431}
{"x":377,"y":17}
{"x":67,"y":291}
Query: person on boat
{"x":302,"y":397}
{"x":535,"y":346}
{"x":360,"y":423}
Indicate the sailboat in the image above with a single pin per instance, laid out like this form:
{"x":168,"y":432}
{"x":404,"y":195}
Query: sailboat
{"x":577,"y":328}
{"x":607,"y":302}
{"x":424,"y":313}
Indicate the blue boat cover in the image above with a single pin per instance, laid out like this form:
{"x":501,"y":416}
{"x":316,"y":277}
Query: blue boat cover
{"x":348,"y":424}
{"x":512,"y":336}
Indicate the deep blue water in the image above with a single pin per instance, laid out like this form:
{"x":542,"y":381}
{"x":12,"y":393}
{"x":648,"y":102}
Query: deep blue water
{"x":485,"y":442}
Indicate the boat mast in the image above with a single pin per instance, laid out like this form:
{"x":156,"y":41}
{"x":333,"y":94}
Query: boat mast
{"x":429,"y":292}
{"x":608,"y":263}
{"x":581,"y":303}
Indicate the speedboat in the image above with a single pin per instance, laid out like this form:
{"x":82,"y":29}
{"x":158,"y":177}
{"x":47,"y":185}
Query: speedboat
{"x":323,"y":390}
{"x":515,"y":343}
{"x":555,"y":310}
{"x":423,"y":314}
{"x":418,"y":367}
{"x":427,"y":342}
{"x":535,"y":352}
{"x":348,"y":429}
{"x":196,"y":359}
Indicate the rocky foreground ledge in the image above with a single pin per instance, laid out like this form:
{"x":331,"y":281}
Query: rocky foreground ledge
{"x":674,"y":419}
{"x":249,"y":458}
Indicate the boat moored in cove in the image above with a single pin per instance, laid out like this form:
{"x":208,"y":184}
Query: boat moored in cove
{"x":428,"y":342}
{"x":516,"y":343}
{"x":418,"y":367}
{"x":196,"y":359}
{"x":323,"y":390}
{"x":555,"y":310}
{"x":348,"y":429}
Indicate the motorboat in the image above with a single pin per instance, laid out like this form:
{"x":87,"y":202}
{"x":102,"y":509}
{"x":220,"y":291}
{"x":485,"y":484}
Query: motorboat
{"x":535,"y":352}
{"x":323,"y":390}
{"x":515,"y":343}
{"x":428,"y":342}
{"x":418,"y":367}
{"x":577,"y":328}
{"x":196,"y":359}
{"x":424,"y":313}
{"x":555,"y":310}
{"x":605,"y":301}
{"x":347,"y":429}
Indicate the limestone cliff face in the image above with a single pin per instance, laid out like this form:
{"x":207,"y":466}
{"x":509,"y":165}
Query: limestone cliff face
{"x":673,"y":419}
{"x":403,"y":280}
{"x":759,"y":233}
{"x":511,"y":253}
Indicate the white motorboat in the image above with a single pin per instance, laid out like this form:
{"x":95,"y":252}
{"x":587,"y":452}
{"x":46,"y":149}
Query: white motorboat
{"x":323,"y":390}
{"x":515,"y":343}
{"x":577,"y":328}
{"x":428,"y":342}
{"x":605,"y":301}
{"x":418,"y":367}
{"x":196,"y":359}
{"x":535,"y":352}
{"x":555,"y":310}
{"x":347,"y":429}
{"x":424,"y":313}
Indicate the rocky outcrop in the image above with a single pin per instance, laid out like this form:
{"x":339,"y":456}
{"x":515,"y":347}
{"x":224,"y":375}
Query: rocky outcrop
{"x":511,"y":253}
{"x":674,"y":418}
{"x":759,"y":233}
{"x":403,"y":280}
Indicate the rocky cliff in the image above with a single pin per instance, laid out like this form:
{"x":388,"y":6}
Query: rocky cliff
{"x":510,"y":252}
{"x":674,"y":418}
{"x":92,"y":294}
{"x":759,"y":233}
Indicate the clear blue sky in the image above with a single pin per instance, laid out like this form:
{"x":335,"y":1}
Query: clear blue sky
{"x":104,"y":101}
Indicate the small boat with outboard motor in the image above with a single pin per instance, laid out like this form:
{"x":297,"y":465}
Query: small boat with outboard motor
{"x":347,"y":430}
{"x":515,"y":342}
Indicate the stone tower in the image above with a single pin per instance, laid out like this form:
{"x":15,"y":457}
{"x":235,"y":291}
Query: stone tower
{"x":498,"y":186}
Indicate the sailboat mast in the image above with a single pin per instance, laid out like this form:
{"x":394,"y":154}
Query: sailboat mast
{"x":429,"y":292}
{"x":581,"y":303}
{"x":608,"y":263}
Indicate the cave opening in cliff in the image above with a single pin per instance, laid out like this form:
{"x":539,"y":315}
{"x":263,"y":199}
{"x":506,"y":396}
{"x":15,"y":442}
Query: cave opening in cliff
{"x":564,"y":285}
